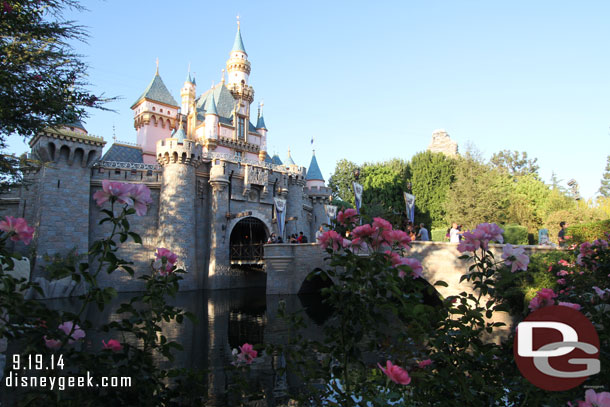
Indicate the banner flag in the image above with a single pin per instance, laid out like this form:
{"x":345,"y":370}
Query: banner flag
{"x":331,"y":212}
{"x":410,"y":203}
{"x":358,"y":195}
{"x":280,"y":211}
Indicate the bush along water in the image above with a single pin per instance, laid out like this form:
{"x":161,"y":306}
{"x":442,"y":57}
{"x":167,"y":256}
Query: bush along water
{"x":59,"y":341}
{"x":384,"y":346}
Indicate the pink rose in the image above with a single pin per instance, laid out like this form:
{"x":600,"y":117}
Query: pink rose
{"x":18,"y":229}
{"x":577,"y":307}
{"x":141,"y":198}
{"x":347,"y":217}
{"x":120,"y":190}
{"x":543,"y":298}
{"x":424,"y":363}
{"x":480,"y":237}
{"x":593,"y":399}
{"x":561,"y":281}
{"x":381,"y":223}
{"x":395,"y":373}
{"x":247,"y":354}
{"x":70,"y":326}
{"x":603,"y":294}
{"x":562,"y":273}
{"x":52,"y":343}
{"x":564,"y":263}
{"x":516,"y":256}
{"x":331,"y":239}
{"x":165,"y":261}
{"x":396,"y":238}
{"x":113,"y":345}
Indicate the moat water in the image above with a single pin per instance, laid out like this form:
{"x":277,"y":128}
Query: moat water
{"x":226,"y":319}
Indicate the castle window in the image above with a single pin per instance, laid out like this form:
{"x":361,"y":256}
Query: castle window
{"x":153,"y":109}
{"x":161,"y":110}
{"x":238,"y":155}
{"x":241,"y":128}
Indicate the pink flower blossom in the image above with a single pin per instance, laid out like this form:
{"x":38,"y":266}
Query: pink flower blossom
{"x":331,"y":239}
{"x":18,"y":228}
{"x":51,"y":343}
{"x":165,"y":261}
{"x":396,"y":373}
{"x":416,"y":267}
{"x":141,"y":198}
{"x":561,"y":281}
{"x":120,"y":190}
{"x":113,"y":345}
{"x":603,"y":294}
{"x":593,"y":399}
{"x":424,"y":363}
{"x":562,"y":273}
{"x":413,"y":264}
{"x":381,"y":223}
{"x":70,"y":326}
{"x":480,"y":237}
{"x":564,"y":263}
{"x":543,"y":298}
{"x":347,"y":217}
{"x":362,"y":232}
{"x":396,"y":238}
{"x":247,"y":354}
{"x":577,"y":307}
{"x":516,"y":256}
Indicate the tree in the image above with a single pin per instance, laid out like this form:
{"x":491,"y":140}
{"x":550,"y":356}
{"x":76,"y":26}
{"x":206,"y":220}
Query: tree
{"x":340,"y":183}
{"x":478,"y":194}
{"x":515,"y":163}
{"x":604,"y":190}
{"x":42,"y":79}
{"x":432,"y":176}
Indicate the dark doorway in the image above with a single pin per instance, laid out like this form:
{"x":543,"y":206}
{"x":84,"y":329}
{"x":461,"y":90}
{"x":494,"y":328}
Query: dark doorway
{"x":247,"y":240}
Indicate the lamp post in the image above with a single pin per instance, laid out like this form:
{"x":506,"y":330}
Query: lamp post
{"x":356,"y":173}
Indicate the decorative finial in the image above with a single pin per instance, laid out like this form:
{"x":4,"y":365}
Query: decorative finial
{"x":223,"y":75}
{"x":212,"y":85}
{"x":189,"y":67}
{"x":157,"y":73}
{"x":289,"y":151}
{"x":238,"y":21}
{"x":113,"y":133}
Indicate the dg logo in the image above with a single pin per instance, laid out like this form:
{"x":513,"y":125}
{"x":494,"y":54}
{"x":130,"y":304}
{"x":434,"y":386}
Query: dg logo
{"x":556,"y":348}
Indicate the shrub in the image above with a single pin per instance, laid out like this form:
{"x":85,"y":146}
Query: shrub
{"x":438,"y":235}
{"x":588,"y":232}
{"x":515,"y":234}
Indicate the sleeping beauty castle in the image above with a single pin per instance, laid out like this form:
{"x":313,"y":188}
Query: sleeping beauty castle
{"x":217,"y":194}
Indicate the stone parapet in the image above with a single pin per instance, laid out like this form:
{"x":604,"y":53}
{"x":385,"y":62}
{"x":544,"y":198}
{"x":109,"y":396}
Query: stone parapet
{"x":170,"y":150}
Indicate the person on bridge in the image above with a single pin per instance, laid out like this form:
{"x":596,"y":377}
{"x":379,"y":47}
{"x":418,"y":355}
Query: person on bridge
{"x":454,"y":234}
{"x":423,"y":234}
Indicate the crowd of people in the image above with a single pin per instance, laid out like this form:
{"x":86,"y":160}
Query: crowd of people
{"x":294,"y":238}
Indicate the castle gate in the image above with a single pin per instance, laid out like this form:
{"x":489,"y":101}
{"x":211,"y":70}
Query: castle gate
{"x":246,"y":242}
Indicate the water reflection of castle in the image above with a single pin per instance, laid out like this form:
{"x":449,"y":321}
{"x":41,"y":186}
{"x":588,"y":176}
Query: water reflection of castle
{"x":213,"y":182}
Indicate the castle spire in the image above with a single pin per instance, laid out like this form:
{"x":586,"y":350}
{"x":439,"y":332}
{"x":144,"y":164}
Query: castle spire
{"x":260,"y":123}
{"x":238,"y":66}
{"x":238,"y":44}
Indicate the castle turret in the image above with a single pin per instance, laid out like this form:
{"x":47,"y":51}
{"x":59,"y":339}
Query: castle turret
{"x":211,"y":124}
{"x":187,"y":95}
{"x":63,"y":189}
{"x":314,"y":175}
{"x":179,"y":157}
{"x":238,"y":66}
{"x":155,"y":113}
{"x":262,"y":130}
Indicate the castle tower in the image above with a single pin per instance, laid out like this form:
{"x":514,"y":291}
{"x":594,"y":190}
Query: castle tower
{"x":314,"y":175}
{"x":155,"y":114}
{"x":179,"y":157}
{"x":187,"y":95}
{"x":262,"y":130}
{"x":318,"y":193}
{"x":211,"y":125}
{"x":238,"y":66}
{"x":63,"y":189}
{"x":220,"y":178}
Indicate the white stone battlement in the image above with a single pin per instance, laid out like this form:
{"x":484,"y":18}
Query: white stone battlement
{"x":170,"y":150}
{"x":317,"y":190}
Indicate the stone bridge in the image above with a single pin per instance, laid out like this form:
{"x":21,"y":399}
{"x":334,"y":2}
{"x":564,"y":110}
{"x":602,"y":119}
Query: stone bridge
{"x":288,"y":265}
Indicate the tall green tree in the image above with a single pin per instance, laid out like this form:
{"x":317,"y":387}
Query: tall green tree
{"x":340,"y":182}
{"x":42,"y":79}
{"x":432,"y":175}
{"x":515,"y":163}
{"x":384,"y":184}
{"x":478,"y":194}
{"x":604,"y":190}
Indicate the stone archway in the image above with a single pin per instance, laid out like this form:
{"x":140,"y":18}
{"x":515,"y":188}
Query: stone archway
{"x":246,"y":240}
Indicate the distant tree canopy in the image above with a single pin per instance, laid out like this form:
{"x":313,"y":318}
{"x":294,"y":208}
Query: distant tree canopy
{"x":515,"y":163}
{"x":604,"y":190}
{"x":42,"y":79}
{"x":432,"y":175}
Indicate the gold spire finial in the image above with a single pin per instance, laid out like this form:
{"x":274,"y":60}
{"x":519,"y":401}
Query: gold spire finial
{"x":238,"y":21}
{"x":223,"y":75}
{"x":288,"y":151}
{"x":157,"y":72}
{"x":212,"y":84}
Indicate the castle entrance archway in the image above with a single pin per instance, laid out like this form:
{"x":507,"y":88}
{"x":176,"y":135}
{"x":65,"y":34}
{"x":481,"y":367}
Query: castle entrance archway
{"x":246,"y":242}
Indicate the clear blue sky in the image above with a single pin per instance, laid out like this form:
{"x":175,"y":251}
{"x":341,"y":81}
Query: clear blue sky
{"x":372,"y":80}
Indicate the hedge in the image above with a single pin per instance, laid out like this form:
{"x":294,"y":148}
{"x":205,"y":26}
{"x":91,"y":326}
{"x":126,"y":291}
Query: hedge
{"x":439,"y":235}
{"x":588,"y":232}
{"x":515,"y":234}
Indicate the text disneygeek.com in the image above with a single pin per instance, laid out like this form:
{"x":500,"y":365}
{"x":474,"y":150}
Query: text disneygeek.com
{"x":14,"y":379}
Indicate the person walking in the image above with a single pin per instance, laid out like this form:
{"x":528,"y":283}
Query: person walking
{"x":423,"y":234}
{"x":454,"y":234}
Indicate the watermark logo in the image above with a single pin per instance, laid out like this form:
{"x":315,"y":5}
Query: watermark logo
{"x":557,"y":348}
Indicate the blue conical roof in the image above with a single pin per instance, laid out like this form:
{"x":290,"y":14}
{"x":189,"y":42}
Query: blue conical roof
{"x":268,"y":158}
{"x":313,"y":172}
{"x":211,"y":108}
{"x":260,"y":123}
{"x":188,"y":77}
{"x":276,"y":160}
{"x":289,"y":160}
{"x":179,"y":134}
{"x":157,"y":92}
{"x":238,"y":44}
